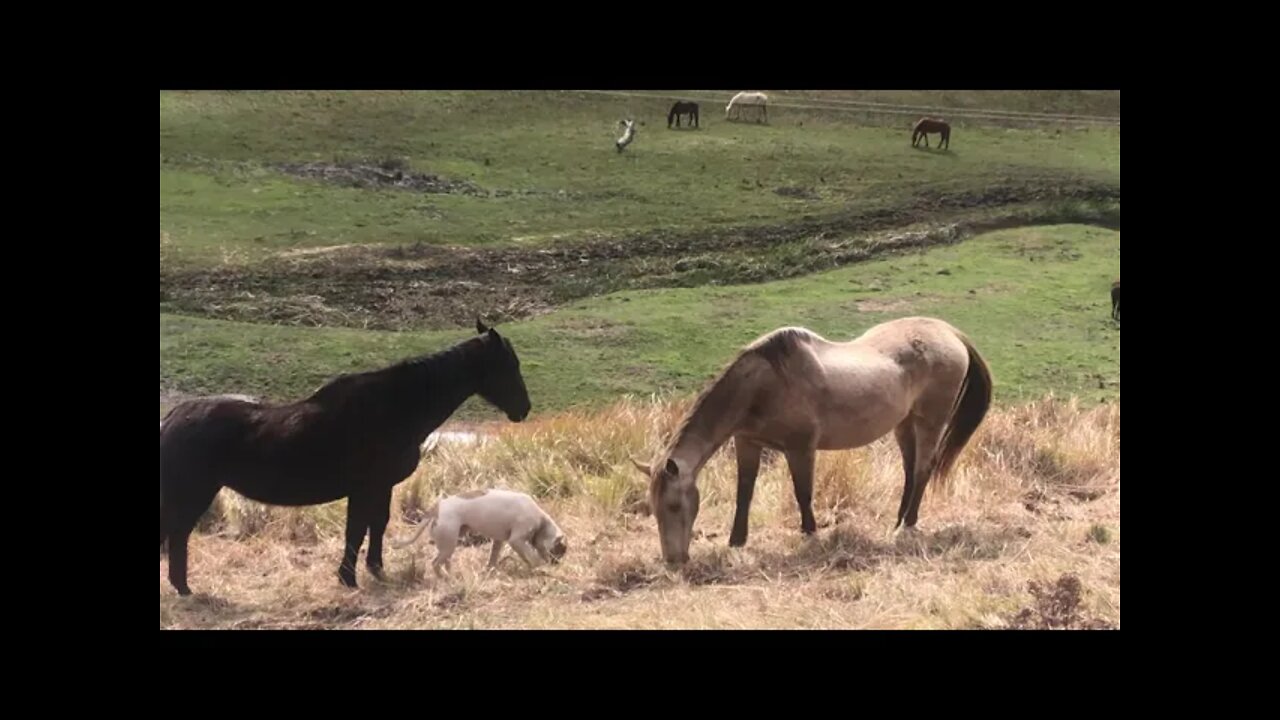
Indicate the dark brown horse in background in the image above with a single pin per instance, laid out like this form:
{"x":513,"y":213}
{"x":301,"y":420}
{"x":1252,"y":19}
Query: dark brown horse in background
{"x":927,"y":125}
{"x":356,"y":437}
{"x":683,"y":107}
{"x":1115,"y":300}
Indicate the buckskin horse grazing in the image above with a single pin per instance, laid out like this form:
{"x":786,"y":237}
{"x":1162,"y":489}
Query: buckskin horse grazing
{"x":796,"y":392}
{"x":1115,"y":300}
{"x":927,"y":125}
{"x":683,"y":107}
{"x":356,"y":437}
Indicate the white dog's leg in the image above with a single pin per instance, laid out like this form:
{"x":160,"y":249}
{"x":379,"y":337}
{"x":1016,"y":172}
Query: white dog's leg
{"x":525,"y":550}
{"x":493,"y":554}
{"x":446,"y":540}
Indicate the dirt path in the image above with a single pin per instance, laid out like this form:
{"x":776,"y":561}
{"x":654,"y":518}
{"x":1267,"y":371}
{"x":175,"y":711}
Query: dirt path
{"x":432,"y":287}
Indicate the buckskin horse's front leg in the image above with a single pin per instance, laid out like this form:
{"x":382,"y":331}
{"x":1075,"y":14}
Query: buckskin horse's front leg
{"x":800,"y":461}
{"x":748,"y":470}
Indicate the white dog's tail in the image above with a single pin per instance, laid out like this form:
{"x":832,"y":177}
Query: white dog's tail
{"x":427,"y":522}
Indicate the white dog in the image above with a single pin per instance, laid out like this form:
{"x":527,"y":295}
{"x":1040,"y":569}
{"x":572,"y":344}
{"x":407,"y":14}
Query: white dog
{"x":500,"y":515}
{"x":628,"y":134}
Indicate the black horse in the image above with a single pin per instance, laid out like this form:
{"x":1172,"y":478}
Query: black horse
{"x":1115,"y":300}
{"x":683,"y":108}
{"x":356,"y":437}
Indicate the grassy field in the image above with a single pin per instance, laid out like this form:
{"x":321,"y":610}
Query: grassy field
{"x":1026,"y":534}
{"x":1035,"y":300}
{"x":223,"y":200}
{"x":534,"y":212}
{"x":1099,"y":103}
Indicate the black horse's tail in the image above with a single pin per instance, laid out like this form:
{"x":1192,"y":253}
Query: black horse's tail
{"x":163,"y":533}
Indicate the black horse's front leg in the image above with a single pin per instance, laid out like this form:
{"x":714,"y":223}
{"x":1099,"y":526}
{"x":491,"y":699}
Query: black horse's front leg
{"x":357,"y":523}
{"x":379,"y":516}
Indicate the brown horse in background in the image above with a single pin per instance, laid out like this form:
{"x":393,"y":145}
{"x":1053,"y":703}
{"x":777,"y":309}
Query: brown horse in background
{"x":1115,"y":300}
{"x":796,"y":392}
{"x":927,"y":125}
{"x":356,"y":437}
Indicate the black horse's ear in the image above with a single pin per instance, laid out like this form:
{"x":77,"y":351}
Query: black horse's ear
{"x":480,"y":327}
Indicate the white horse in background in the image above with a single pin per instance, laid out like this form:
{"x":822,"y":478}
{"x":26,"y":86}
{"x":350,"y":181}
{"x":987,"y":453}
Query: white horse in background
{"x":758,"y":100}
{"x":628,"y":134}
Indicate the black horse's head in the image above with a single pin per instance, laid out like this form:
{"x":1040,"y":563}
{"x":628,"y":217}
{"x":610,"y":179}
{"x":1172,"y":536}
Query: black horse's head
{"x":501,"y":383}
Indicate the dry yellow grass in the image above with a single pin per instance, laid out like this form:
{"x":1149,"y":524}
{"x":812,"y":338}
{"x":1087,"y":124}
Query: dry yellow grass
{"x":1027,"y":534}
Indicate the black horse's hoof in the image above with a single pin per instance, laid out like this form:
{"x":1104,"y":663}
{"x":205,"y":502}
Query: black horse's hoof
{"x":347,"y":579}
{"x":735,"y":541}
{"x":377,"y":572}
{"x":183,"y":591}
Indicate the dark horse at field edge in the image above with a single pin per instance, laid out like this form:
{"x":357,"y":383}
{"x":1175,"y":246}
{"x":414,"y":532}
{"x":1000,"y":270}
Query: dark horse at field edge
{"x":927,"y":125}
{"x":356,"y":437}
{"x":683,"y":107}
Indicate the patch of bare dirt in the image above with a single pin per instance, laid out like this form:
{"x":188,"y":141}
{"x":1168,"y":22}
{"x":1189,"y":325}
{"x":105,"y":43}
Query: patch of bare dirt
{"x":396,"y":174}
{"x":799,"y":193}
{"x":429,"y":287}
{"x":384,"y":174}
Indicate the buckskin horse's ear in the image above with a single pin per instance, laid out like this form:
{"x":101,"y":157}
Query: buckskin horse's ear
{"x":480,"y":326}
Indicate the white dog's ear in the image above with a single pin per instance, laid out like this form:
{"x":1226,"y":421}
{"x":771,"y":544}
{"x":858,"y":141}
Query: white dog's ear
{"x":648,"y":472}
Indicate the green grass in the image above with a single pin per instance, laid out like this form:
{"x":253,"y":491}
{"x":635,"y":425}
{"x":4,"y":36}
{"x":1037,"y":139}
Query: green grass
{"x":220,"y":202}
{"x":1104,"y":103}
{"x":1035,"y":301}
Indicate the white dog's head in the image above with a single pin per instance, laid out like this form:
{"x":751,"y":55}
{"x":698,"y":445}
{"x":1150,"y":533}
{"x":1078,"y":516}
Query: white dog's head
{"x":550,"y":541}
